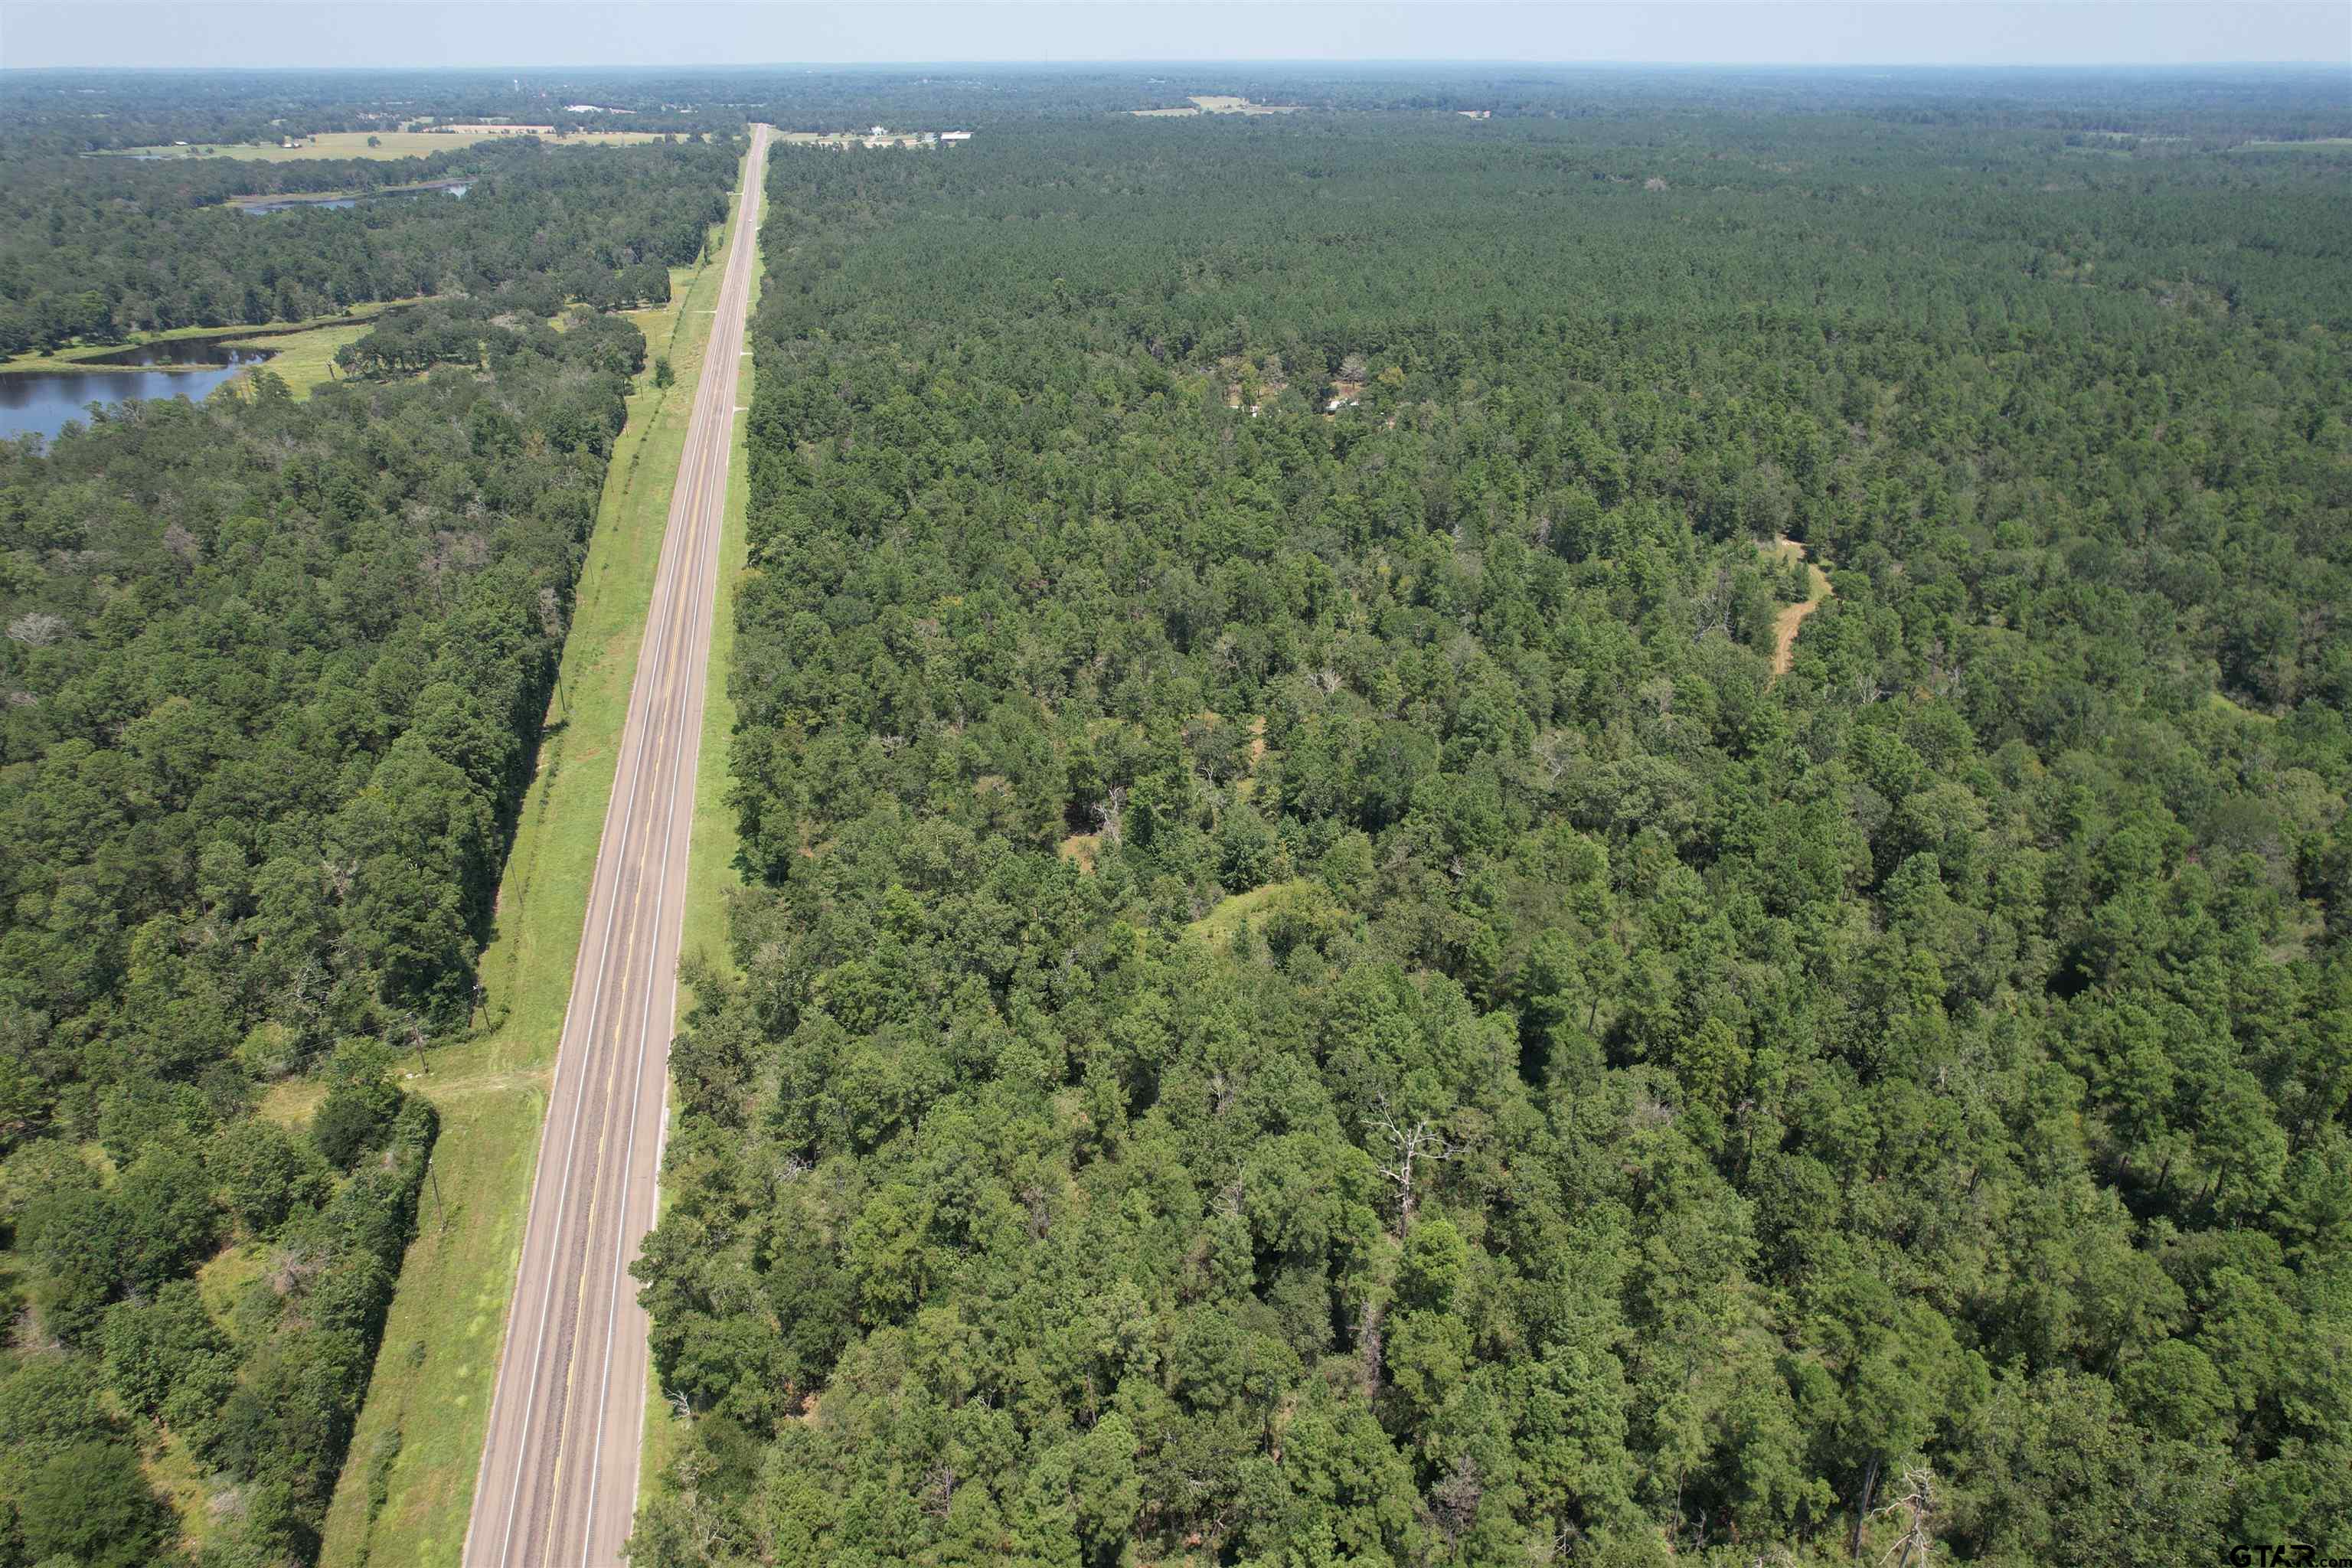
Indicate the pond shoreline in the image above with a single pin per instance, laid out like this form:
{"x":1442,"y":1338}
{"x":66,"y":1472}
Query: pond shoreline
{"x":95,"y":356}
{"x":265,"y":206}
{"x":40,"y":396}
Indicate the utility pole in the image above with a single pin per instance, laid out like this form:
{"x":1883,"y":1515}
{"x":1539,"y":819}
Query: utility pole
{"x":416,"y":1038}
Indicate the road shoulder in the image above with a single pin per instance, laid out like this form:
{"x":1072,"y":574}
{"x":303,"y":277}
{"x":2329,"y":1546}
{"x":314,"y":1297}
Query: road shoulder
{"x":408,"y":1486}
{"x":714,"y":877}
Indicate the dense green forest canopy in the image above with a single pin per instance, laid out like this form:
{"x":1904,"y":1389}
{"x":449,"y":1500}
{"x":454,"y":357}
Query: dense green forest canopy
{"x":97,"y":248}
{"x":1309,"y":998}
{"x":271,"y":683}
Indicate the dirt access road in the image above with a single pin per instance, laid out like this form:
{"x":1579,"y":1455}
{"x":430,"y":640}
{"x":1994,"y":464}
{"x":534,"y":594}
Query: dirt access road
{"x":558,"y":1484}
{"x":1791,"y":618}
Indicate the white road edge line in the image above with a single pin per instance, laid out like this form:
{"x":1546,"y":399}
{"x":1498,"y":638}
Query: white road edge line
{"x":706,"y":581}
{"x":506,"y":1543}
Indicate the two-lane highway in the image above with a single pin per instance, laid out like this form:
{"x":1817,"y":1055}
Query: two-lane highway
{"x":559,"y":1478}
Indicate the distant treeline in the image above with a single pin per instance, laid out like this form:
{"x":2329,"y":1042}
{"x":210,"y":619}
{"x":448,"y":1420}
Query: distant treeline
{"x":51,"y":111}
{"x":74,"y":112}
{"x":97,"y":248}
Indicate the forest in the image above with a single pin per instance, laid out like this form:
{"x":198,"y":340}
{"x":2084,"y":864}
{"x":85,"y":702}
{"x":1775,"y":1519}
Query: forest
{"x":274,"y":674}
{"x":1312,"y":989}
{"x":97,"y":248}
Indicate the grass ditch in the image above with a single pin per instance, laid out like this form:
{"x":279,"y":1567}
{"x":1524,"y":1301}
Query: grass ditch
{"x":714,"y":842}
{"x":409,"y":1483}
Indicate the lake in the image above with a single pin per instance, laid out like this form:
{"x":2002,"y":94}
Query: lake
{"x":40,"y":401}
{"x":291,"y":203}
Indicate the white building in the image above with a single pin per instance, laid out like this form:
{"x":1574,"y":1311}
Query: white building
{"x":955,"y":135}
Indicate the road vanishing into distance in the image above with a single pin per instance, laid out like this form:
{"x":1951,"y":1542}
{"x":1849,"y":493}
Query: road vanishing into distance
{"x":558,"y":1485}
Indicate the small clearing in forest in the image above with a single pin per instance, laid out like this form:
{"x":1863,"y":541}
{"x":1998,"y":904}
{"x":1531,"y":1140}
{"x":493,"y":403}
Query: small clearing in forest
{"x":1791,"y":618}
{"x":1218,"y":103}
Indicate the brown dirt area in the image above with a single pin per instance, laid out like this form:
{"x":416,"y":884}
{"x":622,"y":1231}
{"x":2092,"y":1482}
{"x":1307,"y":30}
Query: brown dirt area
{"x":1791,"y":619}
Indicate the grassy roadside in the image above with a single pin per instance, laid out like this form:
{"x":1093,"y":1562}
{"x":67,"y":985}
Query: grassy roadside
{"x":409,"y":1483}
{"x":714,"y":842}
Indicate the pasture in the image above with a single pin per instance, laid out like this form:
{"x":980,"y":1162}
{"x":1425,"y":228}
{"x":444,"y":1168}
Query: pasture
{"x":389,"y":143}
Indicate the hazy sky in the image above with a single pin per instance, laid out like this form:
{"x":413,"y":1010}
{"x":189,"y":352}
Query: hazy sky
{"x":526,"y":33}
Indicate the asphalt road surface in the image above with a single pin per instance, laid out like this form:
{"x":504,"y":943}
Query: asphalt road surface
{"x":559,"y":1481}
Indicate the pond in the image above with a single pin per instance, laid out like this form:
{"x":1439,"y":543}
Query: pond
{"x":294,"y":204}
{"x":38,"y":403}
{"x":210,"y":350}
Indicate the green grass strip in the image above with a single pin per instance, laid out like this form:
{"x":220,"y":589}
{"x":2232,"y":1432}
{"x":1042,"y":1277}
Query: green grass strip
{"x":408,"y":1485}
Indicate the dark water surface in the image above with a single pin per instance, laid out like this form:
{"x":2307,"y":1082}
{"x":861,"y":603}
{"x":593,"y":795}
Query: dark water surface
{"x":287,"y":205}
{"x":40,"y":401}
{"x":213,"y":349}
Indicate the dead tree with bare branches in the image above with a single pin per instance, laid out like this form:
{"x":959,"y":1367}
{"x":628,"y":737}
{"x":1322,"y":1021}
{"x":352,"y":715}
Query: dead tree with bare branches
{"x":1915,"y":1509}
{"x":1413,"y":1141}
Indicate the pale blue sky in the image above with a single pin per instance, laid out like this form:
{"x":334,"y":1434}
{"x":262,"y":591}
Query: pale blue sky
{"x":525,"y":32}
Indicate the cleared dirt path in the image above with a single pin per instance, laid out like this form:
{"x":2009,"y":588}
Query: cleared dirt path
{"x":1791,"y":619}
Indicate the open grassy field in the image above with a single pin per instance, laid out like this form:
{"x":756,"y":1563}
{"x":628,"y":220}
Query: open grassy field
{"x":1217,"y":103}
{"x":1218,"y":926}
{"x":408,"y":1484}
{"x":2339,"y":146}
{"x":305,"y":361}
{"x":77,"y":355}
{"x":392,"y":144}
{"x":660,"y":323}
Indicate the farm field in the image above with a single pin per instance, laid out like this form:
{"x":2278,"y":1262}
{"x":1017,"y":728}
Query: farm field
{"x":2330,"y":144}
{"x":1217,"y":103}
{"x":390,"y":144}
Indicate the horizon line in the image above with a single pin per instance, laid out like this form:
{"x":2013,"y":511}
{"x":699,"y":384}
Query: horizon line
{"x":2192,"y":66}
